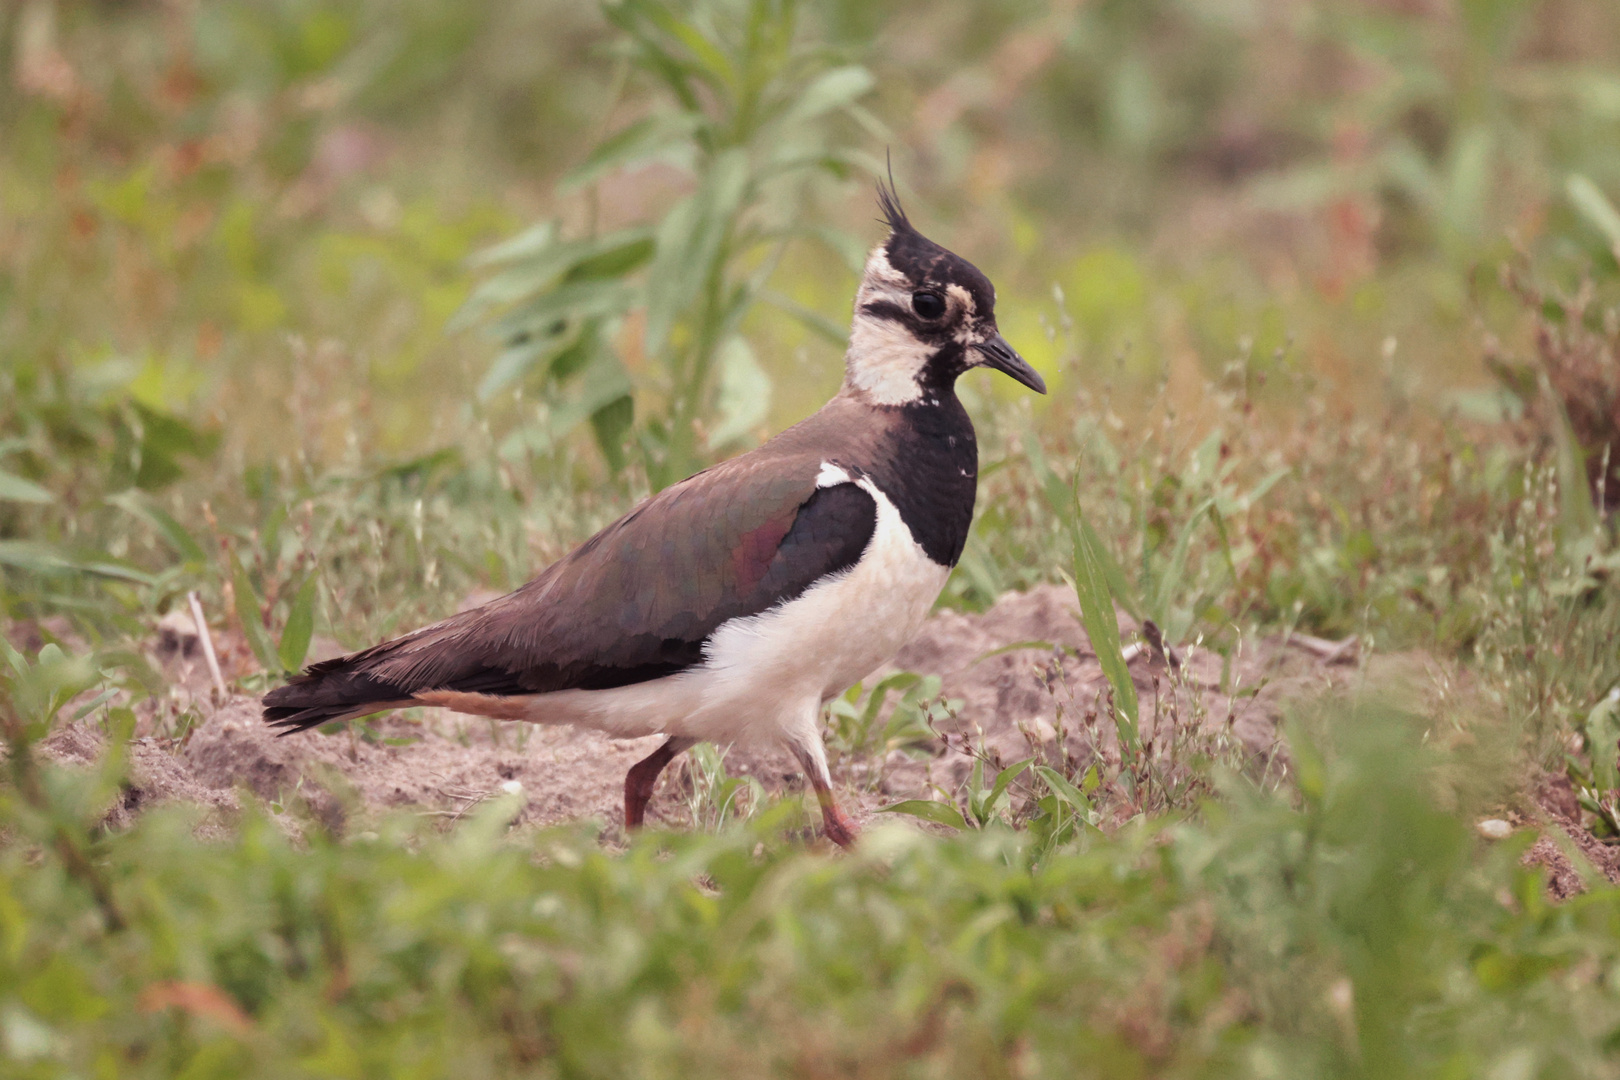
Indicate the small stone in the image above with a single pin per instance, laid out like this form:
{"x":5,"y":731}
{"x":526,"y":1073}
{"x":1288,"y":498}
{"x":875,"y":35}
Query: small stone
{"x":1494,"y":829}
{"x":513,"y":787}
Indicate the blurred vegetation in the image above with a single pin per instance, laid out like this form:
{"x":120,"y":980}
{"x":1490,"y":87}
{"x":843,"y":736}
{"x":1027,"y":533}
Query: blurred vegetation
{"x":334,"y":311}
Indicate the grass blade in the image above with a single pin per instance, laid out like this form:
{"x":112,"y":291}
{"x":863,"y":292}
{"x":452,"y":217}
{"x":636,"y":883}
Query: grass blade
{"x":138,"y":504}
{"x":1061,"y":498}
{"x":1170,"y":581}
{"x":300,"y":627}
{"x":1097,"y":616}
{"x":938,"y":812}
{"x":1065,"y":791}
{"x":247,"y":612}
{"x":16,"y":489}
{"x":998,"y":790}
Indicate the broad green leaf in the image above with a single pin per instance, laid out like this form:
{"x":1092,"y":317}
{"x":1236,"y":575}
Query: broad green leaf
{"x":1489,"y":405}
{"x":650,"y":138}
{"x":611,"y":424}
{"x":300,"y":627}
{"x":928,"y":810}
{"x":690,"y":244}
{"x":1004,"y":778}
{"x":1169,"y":583}
{"x":641,"y":21}
{"x":19,"y":664}
{"x":574,"y":300}
{"x":1577,"y":517}
{"x":16,"y":489}
{"x":1603,"y":741}
{"x":164,"y":439}
{"x":95,"y":703}
{"x":1259,"y":490}
{"x":526,"y":244}
{"x":832,"y":90}
{"x":708,"y":59}
{"x":602,"y":382}
{"x":744,"y":394}
{"x":900,"y":681}
{"x":247,"y":613}
{"x":1468,"y":178}
{"x":1589,"y":200}
{"x":44,"y":559}
{"x":515,"y":362}
{"x":1064,"y":790}
{"x":44,"y":684}
{"x":1112,"y":572}
{"x":114,"y":570}
{"x":636,"y":246}
{"x":609,"y":256}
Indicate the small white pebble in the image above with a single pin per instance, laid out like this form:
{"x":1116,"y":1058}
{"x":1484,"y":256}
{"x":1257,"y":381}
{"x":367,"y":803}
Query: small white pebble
{"x":1494,"y":829}
{"x":513,"y":787}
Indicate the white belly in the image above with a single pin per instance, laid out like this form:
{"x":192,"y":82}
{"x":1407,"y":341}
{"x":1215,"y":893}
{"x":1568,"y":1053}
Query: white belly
{"x":760,"y":673}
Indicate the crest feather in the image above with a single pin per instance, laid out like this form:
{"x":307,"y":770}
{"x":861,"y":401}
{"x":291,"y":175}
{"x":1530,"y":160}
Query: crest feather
{"x":894,"y":215}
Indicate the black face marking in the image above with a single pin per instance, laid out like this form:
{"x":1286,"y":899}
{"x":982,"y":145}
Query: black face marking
{"x":950,"y":308}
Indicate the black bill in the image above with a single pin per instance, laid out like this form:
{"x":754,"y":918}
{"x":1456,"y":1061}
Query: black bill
{"x":1000,"y":355}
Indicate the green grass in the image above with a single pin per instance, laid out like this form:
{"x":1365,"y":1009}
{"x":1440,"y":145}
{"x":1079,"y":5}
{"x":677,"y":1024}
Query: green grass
{"x":1257,"y":263}
{"x":1350,"y":928}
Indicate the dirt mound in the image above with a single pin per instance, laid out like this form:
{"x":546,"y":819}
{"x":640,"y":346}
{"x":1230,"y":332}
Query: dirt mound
{"x":155,"y":776}
{"x":435,"y":763}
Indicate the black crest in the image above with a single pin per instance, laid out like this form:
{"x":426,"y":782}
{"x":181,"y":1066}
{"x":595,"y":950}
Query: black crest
{"x":925,"y":262}
{"x":894,"y":215}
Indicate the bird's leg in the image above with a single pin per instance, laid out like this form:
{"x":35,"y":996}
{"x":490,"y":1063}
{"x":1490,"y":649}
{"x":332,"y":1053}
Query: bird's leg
{"x":834,"y":823}
{"x":639,"y":781}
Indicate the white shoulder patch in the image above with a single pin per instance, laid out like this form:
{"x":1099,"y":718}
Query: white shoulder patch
{"x":831,"y":475}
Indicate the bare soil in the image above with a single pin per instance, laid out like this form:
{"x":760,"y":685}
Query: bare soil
{"x":1017,"y":679}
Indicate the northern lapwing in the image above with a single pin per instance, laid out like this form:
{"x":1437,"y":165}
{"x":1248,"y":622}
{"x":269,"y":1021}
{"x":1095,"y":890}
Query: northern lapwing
{"x":731,"y":606}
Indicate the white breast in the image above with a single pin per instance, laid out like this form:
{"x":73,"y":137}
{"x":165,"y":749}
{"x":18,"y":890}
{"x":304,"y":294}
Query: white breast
{"x":761,"y":672}
{"x":839,"y":629}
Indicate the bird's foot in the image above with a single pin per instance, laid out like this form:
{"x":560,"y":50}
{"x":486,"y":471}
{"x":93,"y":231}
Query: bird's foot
{"x":837,"y":826}
{"x":643,"y":778}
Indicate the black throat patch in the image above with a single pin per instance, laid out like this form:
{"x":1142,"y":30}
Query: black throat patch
{"x":927,"y":463}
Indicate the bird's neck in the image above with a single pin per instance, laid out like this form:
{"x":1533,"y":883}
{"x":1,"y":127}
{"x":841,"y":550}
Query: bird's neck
{"x":927,"y":462}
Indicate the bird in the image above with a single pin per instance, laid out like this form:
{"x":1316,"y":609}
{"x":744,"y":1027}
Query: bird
{"x":731,"y":606}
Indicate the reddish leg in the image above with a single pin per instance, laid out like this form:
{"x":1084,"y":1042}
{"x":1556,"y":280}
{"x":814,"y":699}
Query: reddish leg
{"x":839,"y":829}
{"x":643,"y":775}
{"x":834,"y":823}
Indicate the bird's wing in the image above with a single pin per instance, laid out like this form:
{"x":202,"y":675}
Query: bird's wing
{"x":635,"y":602}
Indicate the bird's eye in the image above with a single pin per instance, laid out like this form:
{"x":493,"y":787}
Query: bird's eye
{"x":930,"y":305}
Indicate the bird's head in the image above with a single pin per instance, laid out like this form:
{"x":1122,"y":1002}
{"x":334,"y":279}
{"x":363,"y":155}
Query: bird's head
{"x":923,"y":316}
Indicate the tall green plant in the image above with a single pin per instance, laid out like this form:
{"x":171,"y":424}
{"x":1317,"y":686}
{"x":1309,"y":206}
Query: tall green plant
{"x":744,"y":100}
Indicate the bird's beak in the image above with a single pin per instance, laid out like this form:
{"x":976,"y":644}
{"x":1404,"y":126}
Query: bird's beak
{"x":1000,"y":355}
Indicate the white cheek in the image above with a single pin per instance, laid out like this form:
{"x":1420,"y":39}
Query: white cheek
{"x":884,"y":360}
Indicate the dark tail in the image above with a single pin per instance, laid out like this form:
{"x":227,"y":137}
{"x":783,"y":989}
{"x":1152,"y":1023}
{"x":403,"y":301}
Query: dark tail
{"x":331,"y":690}
{"x":445,"y":656}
